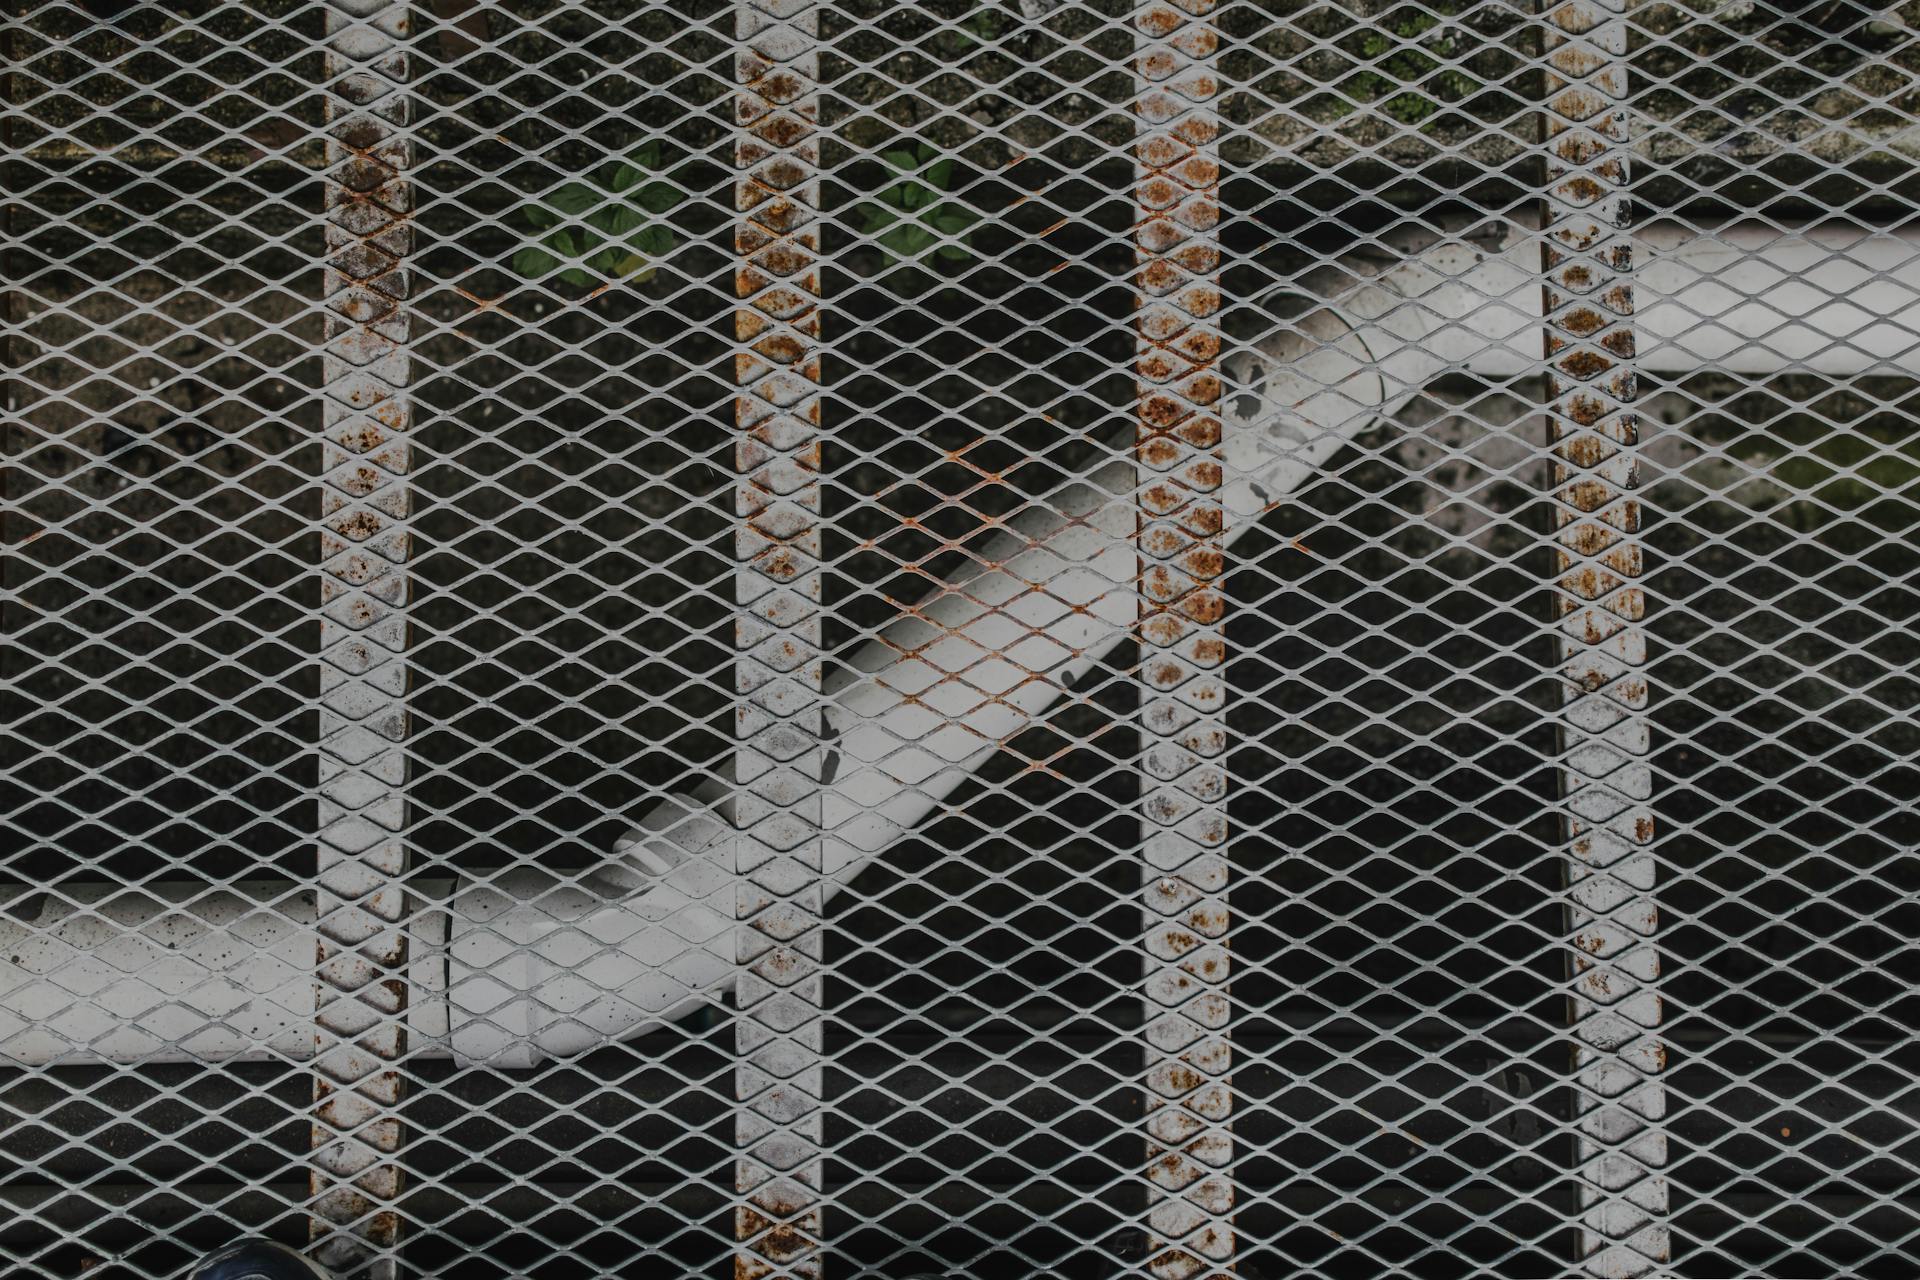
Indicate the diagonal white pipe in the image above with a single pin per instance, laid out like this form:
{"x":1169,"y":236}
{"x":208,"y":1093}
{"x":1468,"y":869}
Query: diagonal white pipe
{"x":915,"y":713}
{"x":533,"y":965}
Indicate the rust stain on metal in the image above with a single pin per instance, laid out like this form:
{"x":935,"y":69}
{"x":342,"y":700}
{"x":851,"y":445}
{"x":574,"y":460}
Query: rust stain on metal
{"x":361,"y":481}
{"x":1207,"y":740}
{"x":1181,"y":1078}
{"x":782,"y":130}
{"x":1160,"y":411}
{"x":1585,"y":365}
{"x":1587,"y":538}
{"x":1204,"y":607}
{"x":1159,"y":499}
{"x":1159,"y":452}
{"x":1164,"y":809}
{"x":1211,"y":920}
{"x":1200,"y":432}
{"x":1205,"y":562}
{"x":1586,"y":449}
{"x":779,"y":457}
{"x":362,"y":438}
{"x":781,"y":564}
{"x":1583,"y":321}
{"x":783,"y":1243}
{"x":1193,"y":386}
{"x":1163,"y":629}
{"x":782,"y":348}
{"x":1161,"y":542}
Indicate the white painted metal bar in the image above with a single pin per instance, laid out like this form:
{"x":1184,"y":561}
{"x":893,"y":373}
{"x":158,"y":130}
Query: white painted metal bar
{"x":1187,"y":1085}
{"x":1606,"y":781}
{"x":361,"y":915}
{"x":778,"y":992}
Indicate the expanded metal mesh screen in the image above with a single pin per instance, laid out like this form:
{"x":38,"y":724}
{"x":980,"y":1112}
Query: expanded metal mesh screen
{"x":831,"y":639}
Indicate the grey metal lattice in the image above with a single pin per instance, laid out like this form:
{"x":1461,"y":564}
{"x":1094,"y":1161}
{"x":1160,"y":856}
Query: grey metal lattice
{"x":1165,"y":637}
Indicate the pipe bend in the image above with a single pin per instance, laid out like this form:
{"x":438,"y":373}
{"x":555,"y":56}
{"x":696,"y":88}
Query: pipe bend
{"x":534,"y":966}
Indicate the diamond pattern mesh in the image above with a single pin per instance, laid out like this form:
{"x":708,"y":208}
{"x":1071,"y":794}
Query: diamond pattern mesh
{"x":1180,"y":638}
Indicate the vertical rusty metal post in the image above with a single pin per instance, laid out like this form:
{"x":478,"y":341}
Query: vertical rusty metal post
{"x":361,"y":992}
{"x":1187,"y":1085}
{"x":1606,"y":781}
{"x":779,"y":1172}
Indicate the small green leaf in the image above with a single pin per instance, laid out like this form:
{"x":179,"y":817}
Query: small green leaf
{"x":617,"y":219}
{"x":625,"y":173}
{"x":953,"y":220}
{"x":912,"y":216}
{"x":908,"y":241}
{"x":657,"y":197}
{"x":608,"y":219}
{"x":534,"y":262}
{"x":655,"y":242}
{"x":913,"y":195}
{"x":574,"y":198}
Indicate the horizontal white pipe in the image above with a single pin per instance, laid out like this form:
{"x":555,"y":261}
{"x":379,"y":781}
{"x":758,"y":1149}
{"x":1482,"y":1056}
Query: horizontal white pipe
{"x":529,"y":965}
{"x":1749,"y":299}
{"x":168,"y":972}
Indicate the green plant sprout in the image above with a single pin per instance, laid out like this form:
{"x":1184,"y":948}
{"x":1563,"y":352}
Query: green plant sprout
{"x":604,"y":228}
{"x":982,"y":28}
{"x":1399,"y":71}
{"x":911,"y":216}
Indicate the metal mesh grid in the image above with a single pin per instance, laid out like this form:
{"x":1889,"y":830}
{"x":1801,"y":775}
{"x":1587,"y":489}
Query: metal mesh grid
{"x":867,"y":639}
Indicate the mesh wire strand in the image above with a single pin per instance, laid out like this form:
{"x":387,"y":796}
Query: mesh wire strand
{"x":1482,"y":844}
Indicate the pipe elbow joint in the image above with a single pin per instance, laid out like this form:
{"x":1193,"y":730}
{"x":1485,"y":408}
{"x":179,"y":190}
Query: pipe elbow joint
{"x":540,"y":968}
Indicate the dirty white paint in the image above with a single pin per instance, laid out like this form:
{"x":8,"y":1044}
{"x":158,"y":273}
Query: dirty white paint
{"x":1186,"y":1079}
{"x":779,"y":949}
{"x":1606,"y":788}
{"x":360,"y":1002}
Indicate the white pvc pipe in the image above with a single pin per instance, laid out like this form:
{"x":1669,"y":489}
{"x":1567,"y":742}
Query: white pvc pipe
{"x":921,"y":709}
{"x":1749,"y":299}
{"x":530,"y":965}
{"x":916,"y":712}
{"x":170,"y":972}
